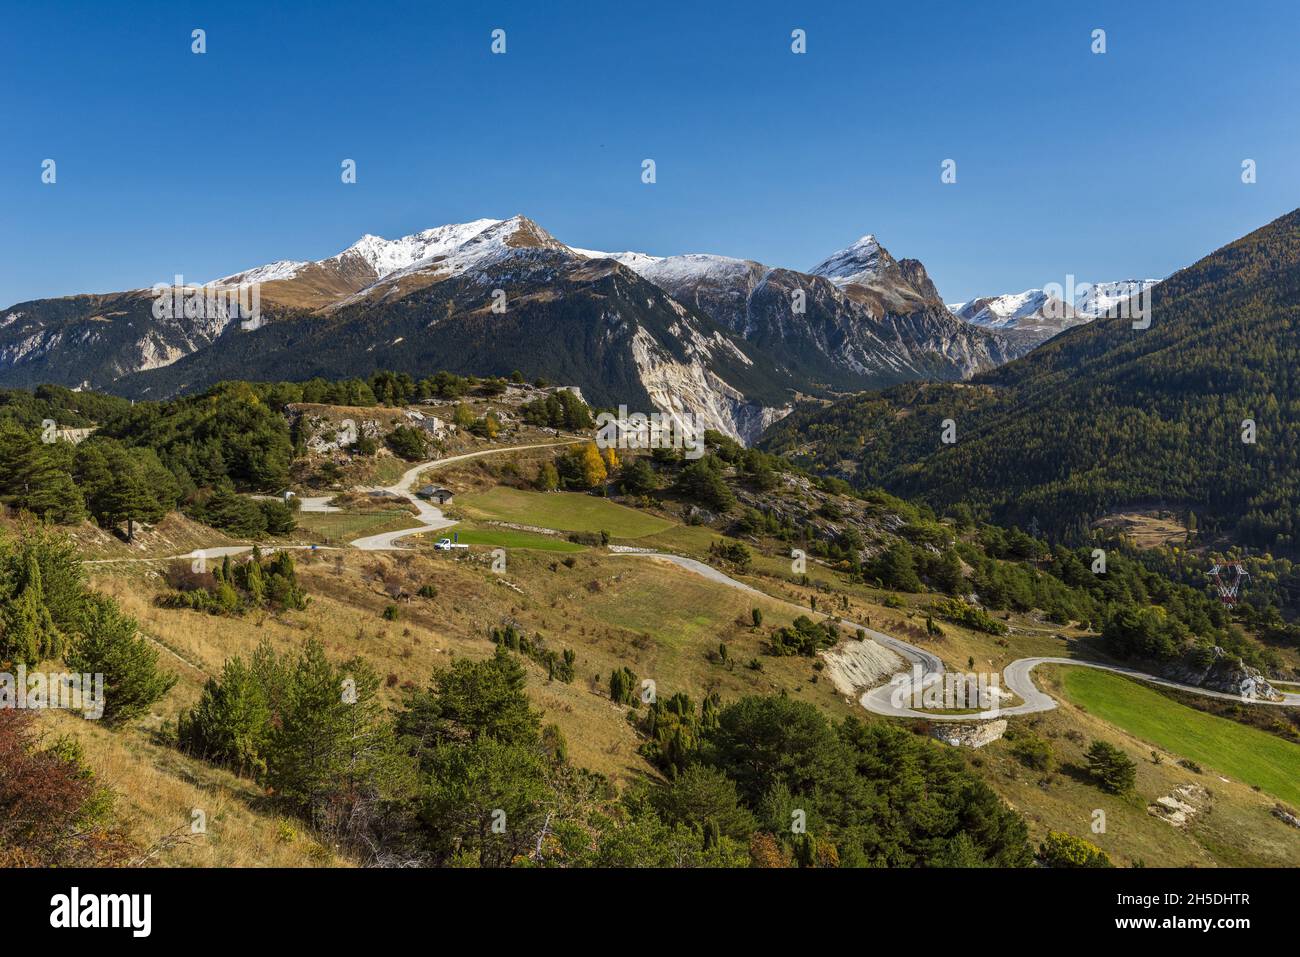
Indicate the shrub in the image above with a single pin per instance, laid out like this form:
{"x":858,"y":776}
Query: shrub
{"x":1111,"y":768}
{"x":407,"y":442}
{"x":1066,"y":850}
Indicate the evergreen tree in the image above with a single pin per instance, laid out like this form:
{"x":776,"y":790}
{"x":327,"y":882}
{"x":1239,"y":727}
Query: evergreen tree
{"x":109,"y":643}
{"x":29,"y":634}
{"x":1111,"y":768}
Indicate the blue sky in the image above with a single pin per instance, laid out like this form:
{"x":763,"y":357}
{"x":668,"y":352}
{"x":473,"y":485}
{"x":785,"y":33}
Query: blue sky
{"x":1105,"y":166}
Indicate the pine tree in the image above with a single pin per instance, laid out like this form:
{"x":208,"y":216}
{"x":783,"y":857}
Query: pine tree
{"x":109,"y":643}
{"x":1111,"y":768}
{"x":29,"y":634}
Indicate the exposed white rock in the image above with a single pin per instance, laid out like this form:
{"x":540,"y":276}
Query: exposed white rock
{"x":970,"y":735}
{"x":855,"y":666}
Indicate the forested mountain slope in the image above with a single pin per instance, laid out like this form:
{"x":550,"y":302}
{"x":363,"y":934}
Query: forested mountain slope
{"x":1106,"y":415}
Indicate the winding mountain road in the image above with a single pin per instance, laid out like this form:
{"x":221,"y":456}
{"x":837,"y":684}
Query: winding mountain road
{"x":884,"y":699}
{"x":431,"y":518}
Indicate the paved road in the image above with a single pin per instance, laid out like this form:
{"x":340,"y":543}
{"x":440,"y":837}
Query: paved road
{"x":883,"y":700}
{"x":887,"y":699}
{"x":430,"y":518}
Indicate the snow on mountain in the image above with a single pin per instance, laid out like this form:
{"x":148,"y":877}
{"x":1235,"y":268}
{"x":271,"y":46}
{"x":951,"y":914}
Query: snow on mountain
{"x":671,"y":270}
{"x":458,"y":250}
{"x":271,"y":272}
{"x":1039,"y":310}
{"x":387,"y":256}
{"x":1006,"y":312}
{"x":631,"y":259}
{"x":1102,"y":296}
{"x":860,"y":263}
{"x":383,"y":256}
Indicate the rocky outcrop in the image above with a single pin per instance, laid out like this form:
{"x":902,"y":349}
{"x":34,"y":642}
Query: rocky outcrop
{"x":690,"y":388}
{"x":1286,"y":816}
{"x":970,"y":735}
{"x":854,"y":666}
{"x":1216,"y":670}
{"x":1178,"y":808}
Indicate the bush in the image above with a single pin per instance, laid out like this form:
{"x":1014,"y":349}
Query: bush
{"x":731,"y":553}
{"x":1111,"y":768}
{"x":804,"y":637}
{"x":407,"y":442}
{"x":963,"y":613}
{"x":52,"y":811}
{"x":1066,"y":850}
{"x":1033,"y":752}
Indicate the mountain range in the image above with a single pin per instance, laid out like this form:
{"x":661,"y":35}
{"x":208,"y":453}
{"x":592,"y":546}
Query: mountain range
{"x":1035,"y":315}
{"x":1196,"y":411}
{"x":733,"y":341}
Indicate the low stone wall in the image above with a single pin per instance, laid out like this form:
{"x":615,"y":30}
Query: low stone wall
{"x":970,"y":735}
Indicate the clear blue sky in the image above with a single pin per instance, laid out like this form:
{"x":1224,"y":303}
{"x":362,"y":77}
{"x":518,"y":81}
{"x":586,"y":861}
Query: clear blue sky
{"x":1108,"y":166}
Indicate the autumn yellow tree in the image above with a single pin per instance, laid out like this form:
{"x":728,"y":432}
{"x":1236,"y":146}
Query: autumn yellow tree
{"x":591,"y":465}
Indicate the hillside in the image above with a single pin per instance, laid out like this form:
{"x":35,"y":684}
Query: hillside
{"x":1105,"y":416}
{"x":539,"y":633}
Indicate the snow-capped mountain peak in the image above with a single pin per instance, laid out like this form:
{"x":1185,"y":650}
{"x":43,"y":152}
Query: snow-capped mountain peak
{"x":633,"y":260}
{"x":382,"y":256}
{"x":998,"y":312}
{"x":387,"y":256}
{"x":1101,"y":297}
{"x":1042,"y":313}
{"x":859,"y":263}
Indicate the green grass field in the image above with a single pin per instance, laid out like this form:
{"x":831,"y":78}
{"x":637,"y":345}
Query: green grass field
{"x":566,"y":511}
{"x":510,"y":538}
{"x":1252,"y":756}
{"x":335,"y":528}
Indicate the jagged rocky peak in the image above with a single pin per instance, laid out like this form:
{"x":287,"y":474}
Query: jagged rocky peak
{"x":869,"y":275}
{"x":914,"y":272}
{"x":861,"y":263}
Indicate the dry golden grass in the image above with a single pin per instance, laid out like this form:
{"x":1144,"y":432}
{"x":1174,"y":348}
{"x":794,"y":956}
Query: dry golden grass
{"x":159,"y":789}
{"x":657,"y":619}
{"x":1236,"y":829}
{"x":662,"y":622}
{"x":1147,"y":529}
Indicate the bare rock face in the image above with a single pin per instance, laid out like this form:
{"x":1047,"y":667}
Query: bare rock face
{"x":1216,"y":670}
{"x":855,"y":666}
{"x":970,"y":735}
